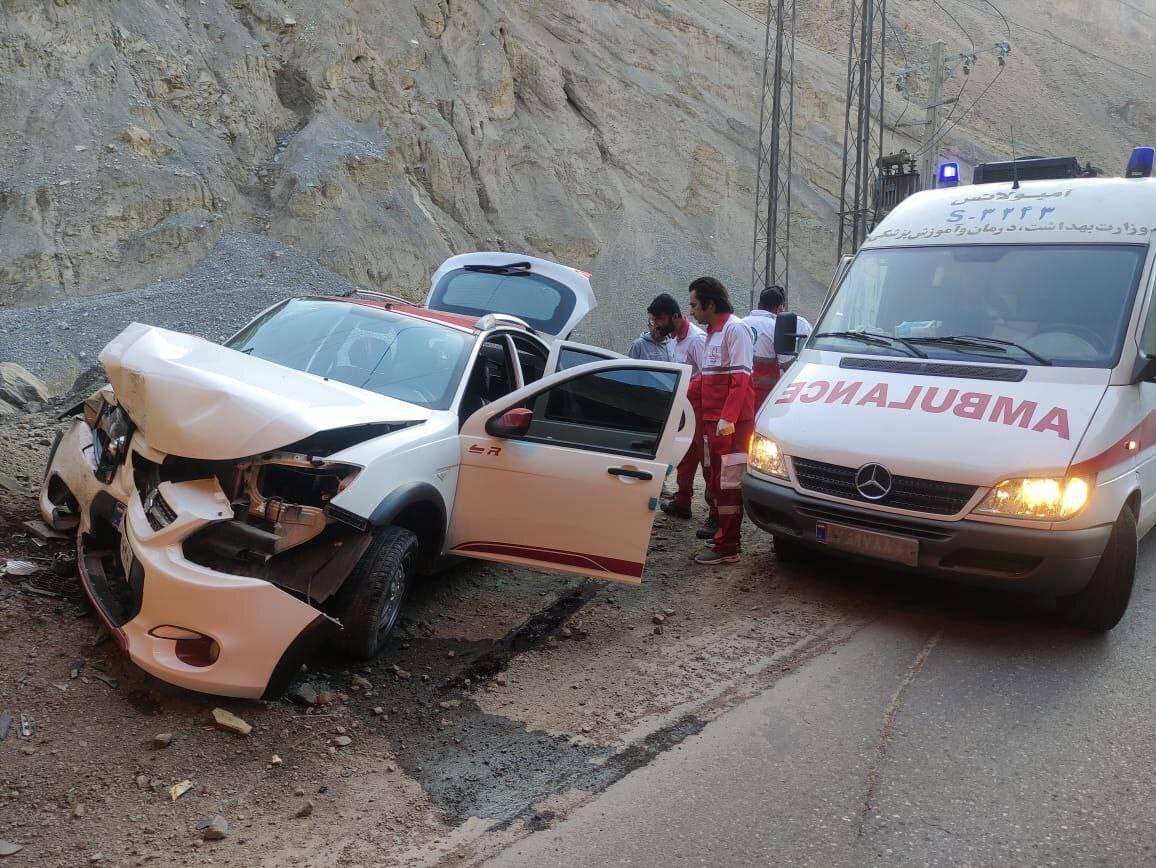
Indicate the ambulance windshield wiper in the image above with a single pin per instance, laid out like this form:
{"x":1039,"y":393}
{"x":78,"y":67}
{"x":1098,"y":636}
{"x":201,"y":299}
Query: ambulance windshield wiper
{"x":876,"y":341}
{"x":974,"y":341}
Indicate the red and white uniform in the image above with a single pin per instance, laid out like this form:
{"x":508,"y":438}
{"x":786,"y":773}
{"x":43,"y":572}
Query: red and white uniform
{"x":688,"y":347}
{"x":727,"y":393}
{"x":768,"y":365}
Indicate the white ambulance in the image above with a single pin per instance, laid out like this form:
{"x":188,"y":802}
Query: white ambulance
{"x":978,"y":398}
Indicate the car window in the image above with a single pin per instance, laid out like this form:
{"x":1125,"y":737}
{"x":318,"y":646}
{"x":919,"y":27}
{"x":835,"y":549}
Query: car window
{"x":620,"y":410}
{"x":491,"y":377}
{"x":569,"y":357}
{"x":539,"y":301}
{"x":379,"y":350}
{"x":532,"y":356}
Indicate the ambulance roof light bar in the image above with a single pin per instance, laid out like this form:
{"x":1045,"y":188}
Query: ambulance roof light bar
{"x":949,"y":175}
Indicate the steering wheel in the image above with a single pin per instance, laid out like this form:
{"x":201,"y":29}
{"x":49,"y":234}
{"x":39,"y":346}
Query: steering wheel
{"x":1096,"y":342}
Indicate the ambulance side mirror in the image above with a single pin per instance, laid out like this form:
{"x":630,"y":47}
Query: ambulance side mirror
{"x":513,"y":423}
{"x":786,"y":334}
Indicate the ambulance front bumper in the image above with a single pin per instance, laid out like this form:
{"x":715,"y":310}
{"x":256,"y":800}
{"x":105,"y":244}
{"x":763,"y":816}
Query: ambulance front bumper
{"x":970,"y":552}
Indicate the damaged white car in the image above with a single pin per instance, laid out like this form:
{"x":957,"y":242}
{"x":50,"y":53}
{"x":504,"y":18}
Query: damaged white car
{"x":237,"y":506}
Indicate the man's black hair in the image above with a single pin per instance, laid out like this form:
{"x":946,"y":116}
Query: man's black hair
{"x":771,"y":298}
{"x":710,"y":290}
{"x":664,"y":305}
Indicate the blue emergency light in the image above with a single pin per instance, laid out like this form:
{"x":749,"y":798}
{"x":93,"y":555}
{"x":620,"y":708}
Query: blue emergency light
{"x":1140,"y":165}
{"x":949,"y":175}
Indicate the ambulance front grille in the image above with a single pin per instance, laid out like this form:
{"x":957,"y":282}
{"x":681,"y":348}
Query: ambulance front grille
{"x":916,"y":495}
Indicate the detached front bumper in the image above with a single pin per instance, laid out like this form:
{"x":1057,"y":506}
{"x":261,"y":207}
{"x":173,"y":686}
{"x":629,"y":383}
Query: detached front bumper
{"x":135,"y":573}
{"x":969,"y":552}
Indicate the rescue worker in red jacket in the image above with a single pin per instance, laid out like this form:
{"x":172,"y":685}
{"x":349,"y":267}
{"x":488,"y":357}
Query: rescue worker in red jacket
{"x":728,"y":411}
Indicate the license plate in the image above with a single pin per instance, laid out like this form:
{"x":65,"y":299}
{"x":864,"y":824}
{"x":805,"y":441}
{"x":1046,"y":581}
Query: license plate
{"x":867,"y":542}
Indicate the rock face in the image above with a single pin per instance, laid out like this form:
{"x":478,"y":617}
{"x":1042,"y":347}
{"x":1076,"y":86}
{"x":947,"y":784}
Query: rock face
{"x":19,"y":387}
{"x":380,"y":136}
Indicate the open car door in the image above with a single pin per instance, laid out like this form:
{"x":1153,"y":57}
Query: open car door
{"x":564,"y":475}
{"x":570,"y":354}
{"x":551,"y":298}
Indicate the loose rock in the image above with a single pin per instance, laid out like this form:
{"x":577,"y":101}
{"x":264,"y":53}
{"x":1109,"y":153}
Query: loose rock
{"x":214,"y":829}
{"x":304,"y":694}
{"x":7,"y":848}
{"x":228,"y":720}
{"x":342,"y":740}
{"x":304,"y":811}
{"x":361,"y":682}
{"x":659,"y":619}
{"x":162,"y":740}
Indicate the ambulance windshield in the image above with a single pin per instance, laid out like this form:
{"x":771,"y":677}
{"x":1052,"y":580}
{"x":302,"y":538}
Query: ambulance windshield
{"x":1059,"y":304}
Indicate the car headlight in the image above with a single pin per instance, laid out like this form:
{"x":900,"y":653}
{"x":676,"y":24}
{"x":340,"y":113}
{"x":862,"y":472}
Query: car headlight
{"x":765,"y":456}
{"x":1047,"y":499}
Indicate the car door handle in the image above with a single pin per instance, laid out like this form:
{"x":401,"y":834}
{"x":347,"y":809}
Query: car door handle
{"x":627,"y":471}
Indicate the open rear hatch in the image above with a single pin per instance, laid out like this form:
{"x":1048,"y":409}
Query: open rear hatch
{"x":549,"y":297}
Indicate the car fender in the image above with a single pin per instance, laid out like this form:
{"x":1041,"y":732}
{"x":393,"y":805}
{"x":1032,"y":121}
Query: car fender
{"x":406,"y":496}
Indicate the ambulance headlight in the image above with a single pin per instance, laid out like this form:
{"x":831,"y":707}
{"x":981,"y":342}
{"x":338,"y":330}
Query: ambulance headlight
{"x":1045,"y":499}
{"x":765,"y":456}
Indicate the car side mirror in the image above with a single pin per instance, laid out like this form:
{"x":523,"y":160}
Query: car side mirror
{"x":513,"y":423}
{"x":786,"y":334}
{"x":1144,"y":370}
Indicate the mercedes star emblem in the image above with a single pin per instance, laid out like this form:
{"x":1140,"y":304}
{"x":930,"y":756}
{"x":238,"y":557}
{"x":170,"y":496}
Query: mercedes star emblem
{"x":873,"y":481}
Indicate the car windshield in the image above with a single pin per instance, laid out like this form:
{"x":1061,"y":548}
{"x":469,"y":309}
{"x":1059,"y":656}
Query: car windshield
{"x":1058,"y":304}
{"x":379,"y":350}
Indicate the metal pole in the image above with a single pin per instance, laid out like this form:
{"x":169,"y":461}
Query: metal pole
{"x":848,"y":136}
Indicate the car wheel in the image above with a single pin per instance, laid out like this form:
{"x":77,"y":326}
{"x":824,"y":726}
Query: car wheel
{"x":1102,"y":604}
{"x":371,"y":598}
{"x":788,"y":550}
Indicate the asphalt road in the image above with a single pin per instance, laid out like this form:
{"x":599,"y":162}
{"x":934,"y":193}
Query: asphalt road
{"x":953,"y":728}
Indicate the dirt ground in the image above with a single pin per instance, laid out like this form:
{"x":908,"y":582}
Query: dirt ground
{"x":506,"y":697}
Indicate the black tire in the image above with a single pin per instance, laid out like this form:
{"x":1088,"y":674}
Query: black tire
{"x":789,"y":550}
{"x":371,"y":598}
{"x":1102,"y":604}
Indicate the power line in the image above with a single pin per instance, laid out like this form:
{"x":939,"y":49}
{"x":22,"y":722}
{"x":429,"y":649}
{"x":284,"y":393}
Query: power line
{"x":1055,"y":38}
{"x":906,"y":65}
{"x":943,"y":9}
{"x":1138,"y":9}
{"x":971,"y":106}
{"x":999,"y":12}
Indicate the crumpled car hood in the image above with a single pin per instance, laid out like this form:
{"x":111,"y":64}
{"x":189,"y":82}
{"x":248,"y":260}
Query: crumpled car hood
{"x":197,"y":399}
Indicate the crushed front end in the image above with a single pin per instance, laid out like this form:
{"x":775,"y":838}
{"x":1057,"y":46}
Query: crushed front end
{"x":215,"y":575}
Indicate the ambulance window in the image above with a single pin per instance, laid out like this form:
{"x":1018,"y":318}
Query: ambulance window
{"x":621,"y":410}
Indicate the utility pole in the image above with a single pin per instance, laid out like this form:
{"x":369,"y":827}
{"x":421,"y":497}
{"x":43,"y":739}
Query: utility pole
{"x":770,"y":260}
{"x":932,"y":134}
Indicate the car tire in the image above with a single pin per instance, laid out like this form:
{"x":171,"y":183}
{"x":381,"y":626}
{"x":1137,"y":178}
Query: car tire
{"x":1102,"y":604}
{"x":788,"y":550}
{"x":371,"y":598}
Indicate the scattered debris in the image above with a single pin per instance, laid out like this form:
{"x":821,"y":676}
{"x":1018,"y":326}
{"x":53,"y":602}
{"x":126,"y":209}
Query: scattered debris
{"x":400,"y":673}
{"x":178,"y":790}
{"x":228,"y":720}
{"x":342,"y":740}
{"x":360,"y":682}
{"x":5,"y":724}
{"x":659,"y":619}
{"x":304,"y":694}
{"x":19,"y":568}
{"x":162,"y":740}
{"x":7,"y":848}
{"x":29,"y":588}
{"x":214,"y":828}
{"x":42,"y":531}
{"x":106,"y":679}
{"x":668,"y":612}
{"x":304,"y":811}
{"x":25,"y":726}
{"x":275,"y":760}
{"x":450,"y":703}
{"x":377,"y":709}
{"x":62,"y":686}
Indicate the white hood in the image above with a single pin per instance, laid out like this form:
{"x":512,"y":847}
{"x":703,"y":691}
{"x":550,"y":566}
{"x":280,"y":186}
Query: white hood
{"x":951,"y":429}
{"x":196,"y":399}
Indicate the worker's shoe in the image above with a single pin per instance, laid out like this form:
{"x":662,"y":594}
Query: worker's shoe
{"x":707,"y":531}
{"x":709,"y":557}
{"x":672,"y":508}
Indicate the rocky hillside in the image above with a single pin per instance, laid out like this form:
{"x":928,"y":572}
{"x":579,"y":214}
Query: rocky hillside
{"x":379,"y":136}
